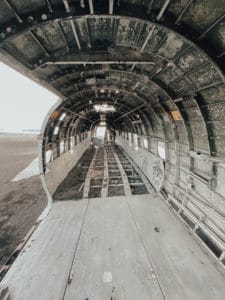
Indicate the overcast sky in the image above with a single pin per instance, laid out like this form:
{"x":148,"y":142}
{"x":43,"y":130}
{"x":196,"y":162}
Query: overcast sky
{"x":23,"y":103}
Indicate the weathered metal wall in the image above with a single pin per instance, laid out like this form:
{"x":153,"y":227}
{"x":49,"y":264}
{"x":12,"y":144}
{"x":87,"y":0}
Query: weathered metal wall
{"x":150,"y":164}
{"x":160,"y":63}
{"x":58,"y":169}
{"x":190,"y":195}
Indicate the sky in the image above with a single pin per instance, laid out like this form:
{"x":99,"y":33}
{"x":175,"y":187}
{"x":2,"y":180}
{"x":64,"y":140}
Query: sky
{"x":23,"y":103}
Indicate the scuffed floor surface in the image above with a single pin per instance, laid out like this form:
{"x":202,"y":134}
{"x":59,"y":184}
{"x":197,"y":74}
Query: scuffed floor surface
{"x":128,"y":247}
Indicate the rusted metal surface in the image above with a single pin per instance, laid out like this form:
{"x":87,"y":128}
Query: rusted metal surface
{"x":148,"y":59}
{"x":103,"y":172}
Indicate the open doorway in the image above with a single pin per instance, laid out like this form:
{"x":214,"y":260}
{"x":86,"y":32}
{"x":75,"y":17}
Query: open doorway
{"x":100,"y":134}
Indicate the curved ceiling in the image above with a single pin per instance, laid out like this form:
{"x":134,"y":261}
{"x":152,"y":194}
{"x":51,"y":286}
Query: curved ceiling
{"x":160,"y":63}
{"x":147,"y":58}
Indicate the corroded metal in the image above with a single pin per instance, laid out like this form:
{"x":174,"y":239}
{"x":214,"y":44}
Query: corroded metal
{"x":148,"y":59}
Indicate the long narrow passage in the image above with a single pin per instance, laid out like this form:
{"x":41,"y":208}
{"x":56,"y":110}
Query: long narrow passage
{"x":126,"y":247}
{"x":102,"y":171}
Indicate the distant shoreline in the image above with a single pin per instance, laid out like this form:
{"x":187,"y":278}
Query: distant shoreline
{"x":18,"y":134}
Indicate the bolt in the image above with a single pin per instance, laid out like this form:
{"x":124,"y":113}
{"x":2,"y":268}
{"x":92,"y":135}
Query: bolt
{"x":157,"y":229}
{"x":44,"y":17}
{"x":30,"y":19}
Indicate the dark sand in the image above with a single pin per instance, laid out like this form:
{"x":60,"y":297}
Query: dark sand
{"x":23,"y":201}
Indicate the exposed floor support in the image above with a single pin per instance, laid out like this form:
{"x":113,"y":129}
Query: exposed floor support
{"x":141,"y":174}
{"x":87,"y":182}
{"x":106,"y":172}
{"x":127,"y":188}
{"x":105,"y":181}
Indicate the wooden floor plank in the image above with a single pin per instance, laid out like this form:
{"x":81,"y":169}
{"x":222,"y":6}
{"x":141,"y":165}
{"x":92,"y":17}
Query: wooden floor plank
{"x":111,"y":262}
{"x":41,"y":270}
{"x":184,"y":270}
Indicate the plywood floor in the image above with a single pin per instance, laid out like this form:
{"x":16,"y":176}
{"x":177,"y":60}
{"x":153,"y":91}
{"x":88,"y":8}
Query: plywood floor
{"x":128,"y":247}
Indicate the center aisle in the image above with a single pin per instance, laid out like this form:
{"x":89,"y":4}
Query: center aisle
{"x":103,"y":171}
{"x":135,"y":248}
{"x":129,"y":247}
{"x":111,"y":262}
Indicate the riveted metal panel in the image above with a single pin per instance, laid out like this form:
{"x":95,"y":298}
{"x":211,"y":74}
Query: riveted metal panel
{"x":50,"y":37}
{"x":170,"y":74}
{"x":203,"y":13}
{"x":81,"y":26}
{"x":156,"y":39}
{"x":204,"y":75}
{"x":214,"y":94}
{"x":181,"y":86}
{"x":100,"y":30}
{"x":190,"y":60}
{"x":218,"y":128}
{"x":127,"y":32}
{"x":25,"y":47}
{"x":6,"y":13}
{"x":219,"y":146}
{"x":26,"y":6}
{"x":172,"y":46}
{"x":215,"y":111}
{"x":217,"y":36}
{"x":220,"y":187}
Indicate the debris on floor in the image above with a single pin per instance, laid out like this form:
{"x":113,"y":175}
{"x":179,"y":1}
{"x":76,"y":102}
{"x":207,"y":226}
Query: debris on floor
{"x":100,"y":173}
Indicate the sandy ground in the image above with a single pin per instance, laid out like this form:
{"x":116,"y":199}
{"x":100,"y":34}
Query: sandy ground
{"x":20,"y":202}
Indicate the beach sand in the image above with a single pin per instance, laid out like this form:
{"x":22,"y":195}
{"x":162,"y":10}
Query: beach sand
{"x":21,"y":202}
